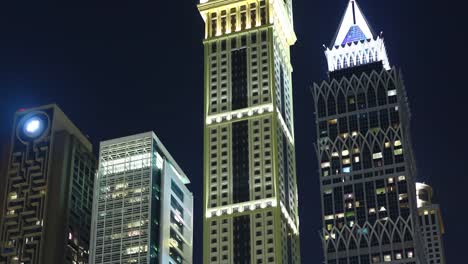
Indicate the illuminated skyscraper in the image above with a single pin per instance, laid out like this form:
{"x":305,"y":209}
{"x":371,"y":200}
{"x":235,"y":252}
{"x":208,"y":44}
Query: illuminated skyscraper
{"x":432,"y":226}
{"x":367,"y":169}
{"x":250,"y":190}
{"x":143,"y":211}
{"x":49,"y":190}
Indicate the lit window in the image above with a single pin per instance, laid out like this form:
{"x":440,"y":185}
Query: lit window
{"x":13,"y":195}
{"x":134,"y":200}
{"x":401,"y":178}
{"x":347,"y":169}
{"x":390,"y":180}
{"x":391,"y":92}
{"x":398,"y":151}
{"x":377,"y":155}
{"x":356,"y":159}
{"x":335,"y":154}
{"x":410,"y":254}
{"x":376,"y":259}
{"x":345,"y":152}
{"x":380,"y":191}
{"x":346,"y":161}
{"x":354,"y":133}
{"x":333,"y":121}
{"x":387,"y":258}
{"x":138,"y":249}
{"x":398,"y":256}
{"x":121,"y":186}
{"x":397,"y":143}
{"x":159,"y":161}
{"x":325,"y":165}
{"x":136,"y":224}
{"x":387,"y":144}
{"x":134,"y":233}
{"x":372,"y":211}
{"x":328,"y":217}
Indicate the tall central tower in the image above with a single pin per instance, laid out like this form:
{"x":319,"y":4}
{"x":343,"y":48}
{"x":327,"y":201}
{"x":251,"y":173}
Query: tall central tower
{"x":367,"y":168}
{"x":250,"y":191}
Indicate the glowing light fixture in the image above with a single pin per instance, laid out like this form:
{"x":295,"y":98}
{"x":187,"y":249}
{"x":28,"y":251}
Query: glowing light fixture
{"x":33,"y":125}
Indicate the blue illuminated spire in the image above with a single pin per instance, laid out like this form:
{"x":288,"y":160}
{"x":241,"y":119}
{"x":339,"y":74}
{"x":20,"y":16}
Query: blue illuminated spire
{"x":353,"y":26}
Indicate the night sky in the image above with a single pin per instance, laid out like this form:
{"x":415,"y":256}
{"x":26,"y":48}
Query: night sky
{"x":118,"y":68}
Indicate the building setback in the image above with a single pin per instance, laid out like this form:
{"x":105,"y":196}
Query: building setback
{"x":367,"y":169}
{"x":143,"y":211}
{"x":250,"y":190}
{"x":48,"y":192}
{"x":432,"y":226}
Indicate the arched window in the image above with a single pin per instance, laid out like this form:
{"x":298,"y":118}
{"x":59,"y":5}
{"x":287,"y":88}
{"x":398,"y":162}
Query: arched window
{"x":331,"y":104}
{"x":321,"y":107}
{"x":371,"y":98}
{"x":382,"y":94}
{"x":341,"y":103}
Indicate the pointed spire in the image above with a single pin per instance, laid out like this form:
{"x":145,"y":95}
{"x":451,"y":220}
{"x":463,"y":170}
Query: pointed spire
{"x":353,"y":26}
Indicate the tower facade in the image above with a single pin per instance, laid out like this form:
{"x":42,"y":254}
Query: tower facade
{"x":46,"y":215}
{"x":250,"y":191}
{"x":143,"y":210}
{"x":367,"y":169}
{"x":432,"y":226}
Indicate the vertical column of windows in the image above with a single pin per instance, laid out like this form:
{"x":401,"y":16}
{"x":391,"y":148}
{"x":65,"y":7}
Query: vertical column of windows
{"x":239,"y":90}
{"x":242,"y":239}
{"x":262,"y":158}
{"x":259,"y":68}
{"x":285,"y":170}
{"x":218,"y":167}
{"x":218,"y":77}
{"x":240,"y":162}
{"x":213,"y":192}
{"x":220,"y":245}
{"x":263,"y":237}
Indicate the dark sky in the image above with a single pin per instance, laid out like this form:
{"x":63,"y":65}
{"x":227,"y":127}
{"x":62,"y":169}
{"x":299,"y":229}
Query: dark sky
{"x":122,"y":67}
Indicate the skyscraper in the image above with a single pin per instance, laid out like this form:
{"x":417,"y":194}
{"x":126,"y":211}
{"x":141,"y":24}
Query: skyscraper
{"x":432,"y":226}
{"x":367,"y":169}
{"x":143,"y":211}
{"x":250,"y":191}
{"x":49,"y":190}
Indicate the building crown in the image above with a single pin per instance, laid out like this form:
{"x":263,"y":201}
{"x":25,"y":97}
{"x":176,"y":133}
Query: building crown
{"x":353,"y":26}
{"x":355,"y":43}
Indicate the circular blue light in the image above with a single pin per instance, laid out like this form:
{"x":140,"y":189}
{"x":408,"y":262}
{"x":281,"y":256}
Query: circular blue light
{"x":33,"y":127}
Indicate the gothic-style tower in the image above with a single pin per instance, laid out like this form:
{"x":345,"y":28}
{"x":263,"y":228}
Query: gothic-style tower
{"x":367,"y":170}
{"x":250,"y":192}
